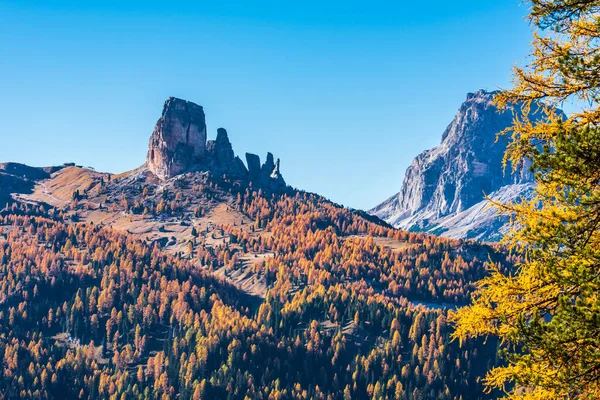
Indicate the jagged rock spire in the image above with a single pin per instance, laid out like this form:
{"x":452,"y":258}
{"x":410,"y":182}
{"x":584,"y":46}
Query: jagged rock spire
{"x":178,"y":141}
{"x":224,"y":155}
{"x":178,"y":144}
{"x":253,"y":162}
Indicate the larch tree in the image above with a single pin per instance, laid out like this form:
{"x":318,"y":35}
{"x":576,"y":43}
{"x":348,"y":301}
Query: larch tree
{"x":547,"y":310}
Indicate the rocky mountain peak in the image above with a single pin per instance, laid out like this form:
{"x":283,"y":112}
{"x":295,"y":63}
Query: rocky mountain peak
{"x":179,"y":139}
{"x":223,"y":150}
{"x":482,"y":96}
{"x":276,"y":179}
{"x":449,"y":179}
{"x":253,"y":162}
{"x":268,"y":166}
{"x":269,"y":173}
{"x":178,"y":144}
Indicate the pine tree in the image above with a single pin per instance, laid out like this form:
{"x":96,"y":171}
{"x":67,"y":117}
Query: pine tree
{"x":547,"y":311}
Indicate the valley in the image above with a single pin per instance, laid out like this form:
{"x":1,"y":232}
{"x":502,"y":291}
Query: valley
{"x":176,"y":284}
{"x":300,"y":201}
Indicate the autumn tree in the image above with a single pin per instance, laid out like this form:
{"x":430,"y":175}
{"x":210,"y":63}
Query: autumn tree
{"x":547,"y":312}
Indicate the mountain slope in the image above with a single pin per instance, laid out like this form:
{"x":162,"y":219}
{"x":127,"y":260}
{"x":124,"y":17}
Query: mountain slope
{"x":20,"y":178}
{"x":444,"y":187}
{"x":220,"y":282}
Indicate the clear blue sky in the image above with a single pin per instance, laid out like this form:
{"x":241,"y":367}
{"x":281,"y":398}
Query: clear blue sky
{"x":346,"y":93}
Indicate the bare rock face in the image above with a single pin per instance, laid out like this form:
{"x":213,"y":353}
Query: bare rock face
{"x":253,"y":162}
{"x":223,"y":158}
{"x":223,"y":151}
{"x":210,"y":148}
{"x":178,"y":144}
{"x":444,"y":187}
{"x":267,"y":169}
{"x":276,"y":180}
{"x":268,"y":175}
{"x":238,"y":169}
{"x":178,"y":141}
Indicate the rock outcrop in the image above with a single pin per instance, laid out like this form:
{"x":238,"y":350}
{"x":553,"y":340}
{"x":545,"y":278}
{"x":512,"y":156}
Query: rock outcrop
{"x":178,"y":141}
{"x":253,"y":162}
{"x":178,"y":144}
{"x":267,"y":175}
{"x":224,"y":155}
{"x":210,"y":148}
{"x":267,"y":169}
{"x":276,"y":180}
{"x":238,"y":169}
{"x":444,"y":187}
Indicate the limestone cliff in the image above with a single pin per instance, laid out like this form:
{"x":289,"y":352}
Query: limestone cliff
{"x":178,"y":141}
{"x":178,"y":144}
{"x":444,"y":187}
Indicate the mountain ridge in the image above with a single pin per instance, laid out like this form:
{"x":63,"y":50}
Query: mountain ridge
{"x":209,"y":282}
{"x":444,"y":186}
{"x":179,"y":144}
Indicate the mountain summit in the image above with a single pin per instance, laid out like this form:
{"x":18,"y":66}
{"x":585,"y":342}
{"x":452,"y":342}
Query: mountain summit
{"x":178,"y":144}
{"x":179,"y":139}
{"x":444,"y":187}
{"x":193,"y":271}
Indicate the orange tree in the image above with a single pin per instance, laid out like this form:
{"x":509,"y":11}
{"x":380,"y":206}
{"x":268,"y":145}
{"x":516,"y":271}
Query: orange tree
{"x":547,"y":311}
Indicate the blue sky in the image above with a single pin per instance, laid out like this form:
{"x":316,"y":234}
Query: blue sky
{"x":346,"y":93}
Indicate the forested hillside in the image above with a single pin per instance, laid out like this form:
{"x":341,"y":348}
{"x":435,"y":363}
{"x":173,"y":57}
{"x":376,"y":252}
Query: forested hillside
{"x":353,"y":309}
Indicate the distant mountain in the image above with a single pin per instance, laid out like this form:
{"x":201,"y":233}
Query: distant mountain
{"x":444,"y":187}
{"x":198,"y":276}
